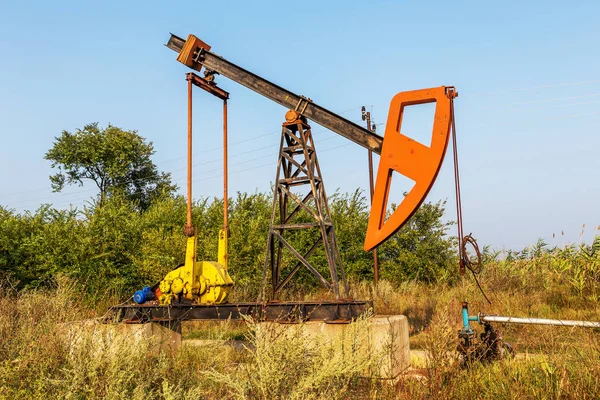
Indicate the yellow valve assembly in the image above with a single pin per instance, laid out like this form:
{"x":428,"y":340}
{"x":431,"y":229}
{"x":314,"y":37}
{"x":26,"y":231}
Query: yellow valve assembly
{"x":205,"y":282}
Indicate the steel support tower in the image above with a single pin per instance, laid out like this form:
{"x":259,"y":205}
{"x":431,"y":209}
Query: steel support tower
{"x":300,"y":203}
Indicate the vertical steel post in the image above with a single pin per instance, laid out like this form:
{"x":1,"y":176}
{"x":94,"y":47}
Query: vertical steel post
{"x":189,"y":228}
{"x":371,"y":184}
{"x":225,"y":172}
{"x":223,"y":253}
{"x":367,"y":116}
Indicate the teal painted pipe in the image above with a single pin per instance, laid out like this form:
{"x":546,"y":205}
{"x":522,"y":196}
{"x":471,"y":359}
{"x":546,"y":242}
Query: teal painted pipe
{"x":465,"y":317}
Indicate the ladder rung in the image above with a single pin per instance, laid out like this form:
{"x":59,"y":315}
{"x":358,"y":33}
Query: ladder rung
{"x":297,"y":150}
{"x":301,"y":225}
{"x":299,"y":180}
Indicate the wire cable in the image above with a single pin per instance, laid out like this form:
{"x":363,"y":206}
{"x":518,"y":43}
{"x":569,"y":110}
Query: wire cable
{"x":464,"y":261}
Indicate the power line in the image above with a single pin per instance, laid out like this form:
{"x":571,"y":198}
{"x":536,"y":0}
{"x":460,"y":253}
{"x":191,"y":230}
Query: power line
{"x":570,"y":104}
{"x":256,"y":159}
{"x":217,"y":148}
{"x":354,"y":108}
{"x":204,"y":179}
{"x":246,"y":152}
{"x":244,"y":141}
{"x":175,"y":180}
{"x":180,"y":179}
{"x":181,"y":169}
{"x":542,"y":101}
{"x":549,"y":106}
{"x":463,"y":94}
{"x":523,"y":89}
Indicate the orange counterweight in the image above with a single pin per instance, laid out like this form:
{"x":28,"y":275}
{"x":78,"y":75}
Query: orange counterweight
{"x":410,"y":158}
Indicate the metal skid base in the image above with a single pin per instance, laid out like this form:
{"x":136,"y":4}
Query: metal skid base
{"x":283,"y":312}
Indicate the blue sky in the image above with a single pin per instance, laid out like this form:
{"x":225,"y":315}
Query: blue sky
{"x":527,"y":74}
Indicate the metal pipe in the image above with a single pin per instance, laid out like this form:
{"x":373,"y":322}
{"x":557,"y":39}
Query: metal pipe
{"x":225,"y":173}
{"x":371,"y":183}
{"x":538,"y":321}
{"x":465,"y":318}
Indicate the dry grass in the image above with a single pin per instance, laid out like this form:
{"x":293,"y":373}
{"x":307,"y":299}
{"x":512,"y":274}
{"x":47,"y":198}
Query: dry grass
{"x":37,"y":362}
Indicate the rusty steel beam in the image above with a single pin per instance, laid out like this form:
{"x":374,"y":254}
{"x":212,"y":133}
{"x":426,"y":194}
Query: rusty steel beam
{"x":210,"y":87}
{"x":202,"y":57}
{"x":285,"y":312}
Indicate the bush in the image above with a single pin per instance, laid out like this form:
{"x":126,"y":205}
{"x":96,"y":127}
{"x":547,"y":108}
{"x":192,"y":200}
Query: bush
{"x":112,"y":246}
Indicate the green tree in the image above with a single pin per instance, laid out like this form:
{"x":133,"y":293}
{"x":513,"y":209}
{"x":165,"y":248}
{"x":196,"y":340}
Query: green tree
{"x":351,"y":216}
{"x":421,"y":250}
{"x":116,"y":160}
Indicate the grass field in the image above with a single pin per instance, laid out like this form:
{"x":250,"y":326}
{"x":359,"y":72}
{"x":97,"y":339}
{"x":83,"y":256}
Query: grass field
{"x":37,"y":362}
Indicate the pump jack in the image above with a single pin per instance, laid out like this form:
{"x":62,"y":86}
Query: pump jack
{"x":298,"y":166}
{"x":197,"y":290}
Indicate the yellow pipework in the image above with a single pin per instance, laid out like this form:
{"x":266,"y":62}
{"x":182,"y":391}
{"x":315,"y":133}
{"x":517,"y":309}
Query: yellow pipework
{"x":205,"y":282}
{"x":223,"y":254}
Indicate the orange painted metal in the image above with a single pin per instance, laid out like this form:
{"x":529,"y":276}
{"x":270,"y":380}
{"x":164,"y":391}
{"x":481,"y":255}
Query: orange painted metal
{"x":188,"y":230}
{"x":212,"y":88}
{"x":410,"y":158}
{"x":189,"y":51}
{"x":225,"y":172}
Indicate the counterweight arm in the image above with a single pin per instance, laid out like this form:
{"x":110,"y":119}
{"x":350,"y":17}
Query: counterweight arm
{"x":194,"y":53}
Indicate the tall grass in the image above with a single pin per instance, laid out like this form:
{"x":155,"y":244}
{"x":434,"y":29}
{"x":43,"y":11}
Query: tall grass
{"x":37,"y":360}
{"x":569,"y":372}
{"x":40,"y":358}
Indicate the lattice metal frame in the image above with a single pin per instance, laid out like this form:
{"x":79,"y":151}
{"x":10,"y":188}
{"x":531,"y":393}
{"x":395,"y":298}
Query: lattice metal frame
{"x":297,"y":166}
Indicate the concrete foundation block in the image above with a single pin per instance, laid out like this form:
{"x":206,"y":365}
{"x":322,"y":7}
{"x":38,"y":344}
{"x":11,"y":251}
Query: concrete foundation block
{"x":163,"y":339}
{"x":239,"y":345}
{"x":389,"y":333}
{"x":387,"y":337}
{"x":111,"y":339}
